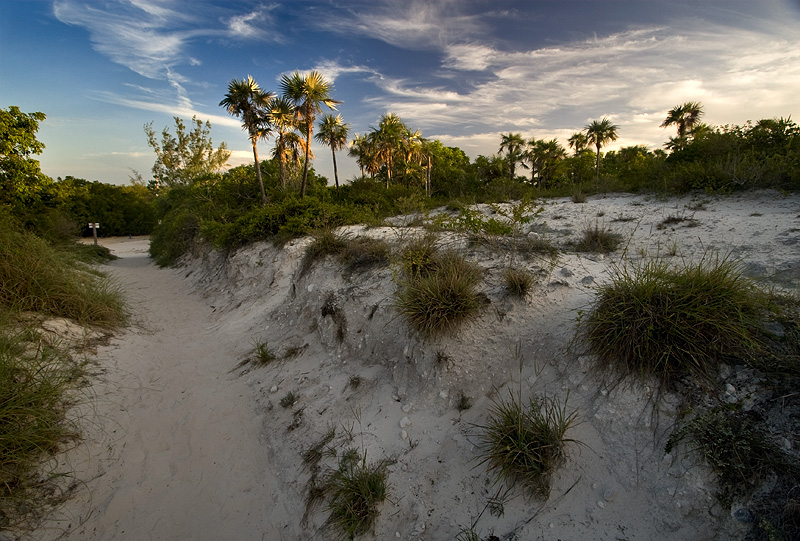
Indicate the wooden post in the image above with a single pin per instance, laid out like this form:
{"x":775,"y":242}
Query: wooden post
{"x":94,"y":227}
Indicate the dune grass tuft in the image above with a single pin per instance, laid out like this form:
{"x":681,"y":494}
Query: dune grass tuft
{"x":654,"y":319}
{"x":525,"y":444}
{"x":598,"y":239}
{"x":518,"y":281}
{"x":436,"y":297}
{"x":354,"y":491}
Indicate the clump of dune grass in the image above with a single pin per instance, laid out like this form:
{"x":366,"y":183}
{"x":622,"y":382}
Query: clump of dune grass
{"x":658,"y":320}
{"x":525,"y":443}
{"x":518,"y":281}
{"x":35,"y":377}
{"x":325,"y":242}
{"x":598,"y":239}
{"x":262,"y":353}
{"x":361,"y":254}
{"x":439,"y":295}
{"x":36,"y":277}
{"x":418,"y":257}
{"x":354,"y":491}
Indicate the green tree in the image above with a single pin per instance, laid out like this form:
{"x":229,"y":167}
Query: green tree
{"x":333,"y":132}
{"x":20,"y":175}
{"x":544,"y":158}
{"x":578,"y":142}
{"x":308,"y":93}
{"x":598,"y":133}
{"x":514,"y":146}
{"x":246,"y":100}
{"x":283,"y":117}
{"x":384,"y":142}
{"x":186,"y":156}
{"x":684,"y":117}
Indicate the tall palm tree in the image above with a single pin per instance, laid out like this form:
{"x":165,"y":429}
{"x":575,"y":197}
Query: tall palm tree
{"x":578,"y":142}
{"x":308,"y":93}
{"x":684,"y":117}
{"x":386,"y":140}
{"x":359,"y":149}
{"x":513,"y":144}
{"x":333,"y":132}
{"x":544,"y":157}
{"x":598,"y":133}
{"x":247,"y":100}
{"x":282,"y":115}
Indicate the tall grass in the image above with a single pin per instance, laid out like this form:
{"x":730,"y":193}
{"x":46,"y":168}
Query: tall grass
{"x":35,"y":277}
{"x":658,"y":320}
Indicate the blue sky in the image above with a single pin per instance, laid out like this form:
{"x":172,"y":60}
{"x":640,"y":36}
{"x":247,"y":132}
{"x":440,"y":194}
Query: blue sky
{"x":461,"y":71}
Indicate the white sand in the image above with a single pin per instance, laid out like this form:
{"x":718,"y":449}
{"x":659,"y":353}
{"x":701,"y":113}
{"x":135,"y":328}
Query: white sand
{"x":183,"y":442}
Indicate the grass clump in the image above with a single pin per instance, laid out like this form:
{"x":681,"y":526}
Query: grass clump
{"x":440,"y":296}
{"x":288,"y":400}
{"x":36,"y":277}
{"x":656,"y":320}
{"x":525,"y":444}
{"x":35,"y":377}
{"x":355,"y":491}
{"x":518,"y":281}
{"x":598,"y":239}
{"x":262,"y":353}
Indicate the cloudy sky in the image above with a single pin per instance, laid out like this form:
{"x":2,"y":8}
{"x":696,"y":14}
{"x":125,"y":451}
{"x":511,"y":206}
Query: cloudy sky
{"x":461,"y":71}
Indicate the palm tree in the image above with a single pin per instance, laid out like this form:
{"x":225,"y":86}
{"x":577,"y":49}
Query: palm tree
{"x":247,"y":100}
{"x":359,"y":149}
{"x":544,"y":156}
{"x":385,"y":141}
{"x":513,"y":144}
{"x":308,"y":93}
{"x":578,"y":142}
{"x":685,"y":117}
{"x":598,"y":133}
{"x":282,"y":115}
{"x":333,"y":133}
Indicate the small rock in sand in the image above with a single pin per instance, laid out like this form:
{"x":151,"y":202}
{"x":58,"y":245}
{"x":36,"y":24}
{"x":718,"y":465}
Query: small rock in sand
{"x":405,"y":422}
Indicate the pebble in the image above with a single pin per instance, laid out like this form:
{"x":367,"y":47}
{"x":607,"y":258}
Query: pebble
{"x":405,"y":422}
{"x":273,"y":389}
{"x":729,"y":389}
{"x":608,"y":494}
{"x":443,"y":394}
{"x":601,"y":504}
{"x":406,"y":407}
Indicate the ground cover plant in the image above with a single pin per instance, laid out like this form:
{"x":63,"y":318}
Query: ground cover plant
{"x":525,"y":443}
{"x":437,"y":296}
{"x":518,"y":281}
{"x":598,"y":239}
{"x":654,"y":319}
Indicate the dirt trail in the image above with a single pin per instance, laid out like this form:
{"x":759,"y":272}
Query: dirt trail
{"x":172,"y":449}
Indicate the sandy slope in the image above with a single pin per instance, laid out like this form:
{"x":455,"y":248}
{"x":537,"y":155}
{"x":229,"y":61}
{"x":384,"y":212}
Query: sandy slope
{"x":187,"y":441}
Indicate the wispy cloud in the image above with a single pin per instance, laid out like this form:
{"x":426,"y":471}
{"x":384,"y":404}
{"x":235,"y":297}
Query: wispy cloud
{"x":256,"y":24}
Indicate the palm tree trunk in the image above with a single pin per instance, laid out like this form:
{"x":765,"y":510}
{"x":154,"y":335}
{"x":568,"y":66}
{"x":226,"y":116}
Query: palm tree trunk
{"x":258,"y":175}
{"x":335,"y":172}
{"x":305,"y":165}
{"x":597,"y":164}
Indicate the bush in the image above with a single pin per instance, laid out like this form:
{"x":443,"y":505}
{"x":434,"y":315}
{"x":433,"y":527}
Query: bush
{"x":526,"y":444}
{"x":655,"y":320}
{"x":441,"y":299}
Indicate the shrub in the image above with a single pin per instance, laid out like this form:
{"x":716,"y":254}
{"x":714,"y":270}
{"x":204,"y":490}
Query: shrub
{"x":441,"y":299}
{"x":653,"y":319}
{"x":599,"y":240}
{"x":526,"y":444}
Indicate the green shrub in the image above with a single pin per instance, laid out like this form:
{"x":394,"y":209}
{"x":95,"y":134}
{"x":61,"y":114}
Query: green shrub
{"x":656,"y":320}
{"x":441,"y":299}
{"x":525,"y":444}
{"x":418,"y":257}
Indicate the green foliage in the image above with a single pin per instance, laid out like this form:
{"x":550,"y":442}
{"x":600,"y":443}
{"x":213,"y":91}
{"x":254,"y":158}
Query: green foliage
{"x":21,"y":179}
{"x":288,"y":400}
{"x":525,"y":444}
{"x":737,"y":448}
{"x":262,"y":353}
{"x":36,"y":277}
{"x":656,"y":320}
{"x":186,"y":156}
{"x":440,"y":297}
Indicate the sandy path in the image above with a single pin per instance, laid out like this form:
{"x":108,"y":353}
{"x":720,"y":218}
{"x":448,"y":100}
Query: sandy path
{"x":173,"y":450}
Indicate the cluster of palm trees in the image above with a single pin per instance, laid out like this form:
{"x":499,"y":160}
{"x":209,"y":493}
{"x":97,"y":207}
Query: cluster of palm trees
{"x":289,"y":117}
{"x":541,"y":156}
{"x":393,"y":147}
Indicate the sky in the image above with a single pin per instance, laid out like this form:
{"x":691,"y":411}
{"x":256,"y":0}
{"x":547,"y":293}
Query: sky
{"x":461,"y":71}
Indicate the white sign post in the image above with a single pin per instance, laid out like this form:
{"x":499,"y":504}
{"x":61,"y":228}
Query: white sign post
{"x":94,"y":227}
